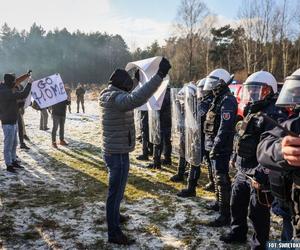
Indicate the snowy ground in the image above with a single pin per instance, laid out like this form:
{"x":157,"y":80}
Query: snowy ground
{"x":58,"y":201}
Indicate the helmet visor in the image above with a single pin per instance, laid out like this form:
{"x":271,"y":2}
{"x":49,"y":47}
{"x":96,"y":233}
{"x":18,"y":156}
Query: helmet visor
{"x":211,"y":82}
{"x":253,"y":92}
{"x":290,"y":93}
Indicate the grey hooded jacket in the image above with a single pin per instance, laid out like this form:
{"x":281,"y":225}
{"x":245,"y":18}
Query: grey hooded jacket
{"x":116,"y":115}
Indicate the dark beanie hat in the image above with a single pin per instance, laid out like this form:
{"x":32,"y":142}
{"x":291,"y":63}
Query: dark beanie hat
{"x":9,"y":79}
{"x":121,"y":79}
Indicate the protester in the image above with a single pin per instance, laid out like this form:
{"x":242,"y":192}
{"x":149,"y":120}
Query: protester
{"x":44,"y":119}
{"x":69,"y":93}
{"x":80,"y":91}
{"x":9,"y":116}
{"x":59,"y":117}
{"x":163,"y":132}
{"x":118,"y":138}
{"x":21,"y":126}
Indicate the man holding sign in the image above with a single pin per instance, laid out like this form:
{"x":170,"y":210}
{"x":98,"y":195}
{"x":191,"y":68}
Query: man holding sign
{"x":9,"y":115}
{"x":118,"y":137}
{"x":50,"y":91}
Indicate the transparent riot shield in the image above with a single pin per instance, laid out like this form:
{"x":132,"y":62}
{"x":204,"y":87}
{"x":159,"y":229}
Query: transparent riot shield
{"x":154,"y":126}
{"x":192,"y":128}
{"x":137,"y":123}
{"x":177,"y":107}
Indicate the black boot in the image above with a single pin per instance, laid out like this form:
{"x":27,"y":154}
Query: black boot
{"x":179,"y":177}
{"x":154,"y":166}
{"x":15,"y":164}
{"x":223,"y":184}
{"x":11,"y":169}
{"x":194,"y":175}
{"x":142,"y":157}
{"x":233,"y":238}
{"x":24,"y":146}
{"x":121,"y":239}
{"x":210,"y":186}
{"x":215,"y":206}
{"x":166,"y":161}
{"x":190,"y":191}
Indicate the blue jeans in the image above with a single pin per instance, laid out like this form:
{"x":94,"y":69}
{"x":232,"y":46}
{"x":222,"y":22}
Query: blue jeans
{"x":10,"y":142}
{"x":118,"y":167}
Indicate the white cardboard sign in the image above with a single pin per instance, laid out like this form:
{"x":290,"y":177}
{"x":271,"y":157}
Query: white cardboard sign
{"x":48,"y":91}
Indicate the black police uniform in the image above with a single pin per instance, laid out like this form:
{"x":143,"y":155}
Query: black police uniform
{"x":146,"y":145}
{"x":284,"y":178}
{"x":219,"y":132}
{"x":246,"y":163}
{"x":194,"y":173}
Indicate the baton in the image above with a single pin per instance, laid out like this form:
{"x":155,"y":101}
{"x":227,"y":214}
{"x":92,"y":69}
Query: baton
{"x":276,"y":124}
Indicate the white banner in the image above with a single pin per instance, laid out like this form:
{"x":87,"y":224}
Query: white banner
{"x":48,"y":91}
{"x":148,"y":68}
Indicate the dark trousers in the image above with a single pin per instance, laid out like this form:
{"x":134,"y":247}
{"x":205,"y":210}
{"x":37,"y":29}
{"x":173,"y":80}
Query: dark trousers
{"x":80,"y":99}
{"x":280,"y":209}
{"x":118,"y":167}
{"x":44,"y":119}
{"x":20,"y":128}
{"x":147,"y":146}
{"x":58,"y":121}
{"x":165,"y":145}
{"x":243,"y":196}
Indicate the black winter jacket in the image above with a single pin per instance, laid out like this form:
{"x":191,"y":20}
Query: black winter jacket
{"x":9,"y":107}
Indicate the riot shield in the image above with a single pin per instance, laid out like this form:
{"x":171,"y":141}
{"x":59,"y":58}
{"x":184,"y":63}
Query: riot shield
{"x":154,"y":126}
{"x":137,"y":123}
{"x":192,"y":128}
{"x":177,"y":108}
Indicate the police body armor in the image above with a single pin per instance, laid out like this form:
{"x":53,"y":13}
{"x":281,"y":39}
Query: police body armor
{"x":192,"y":130}
{"x":248,"y":137}
{"x":213,"y":118}
{"x":178,"y":130}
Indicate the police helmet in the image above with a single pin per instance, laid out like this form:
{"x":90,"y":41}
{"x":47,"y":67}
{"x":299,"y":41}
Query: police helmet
{"x":215,"y":78}
{"x":290,"y":93}
{"x":259,"y":85}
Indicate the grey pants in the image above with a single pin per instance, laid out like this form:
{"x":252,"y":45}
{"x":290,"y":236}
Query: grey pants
{"x":44,"y":119}
{"x":58,"y":121}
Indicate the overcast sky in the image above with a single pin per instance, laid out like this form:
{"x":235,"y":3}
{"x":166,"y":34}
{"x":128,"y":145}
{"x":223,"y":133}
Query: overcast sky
{"x":138,"y":22}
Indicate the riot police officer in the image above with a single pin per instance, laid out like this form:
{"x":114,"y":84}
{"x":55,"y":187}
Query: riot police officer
{"x":197,"y":149}
{"x":179,"y":133}
{"x":160,"y":132}
{"x":219,"y":133}
{"x":279,"y":151}
{"x":250,"y":186}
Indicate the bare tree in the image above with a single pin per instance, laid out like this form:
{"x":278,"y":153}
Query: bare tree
{"x":191,"y":13}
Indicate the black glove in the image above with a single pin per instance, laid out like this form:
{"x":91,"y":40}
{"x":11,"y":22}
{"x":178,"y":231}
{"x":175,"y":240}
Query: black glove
{"x":137,"y":75}
{"x":29,"y":72}
{"x":163,"y":68}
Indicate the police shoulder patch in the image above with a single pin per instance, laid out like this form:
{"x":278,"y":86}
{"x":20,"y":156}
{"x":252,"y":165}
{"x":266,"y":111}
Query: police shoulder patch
{"x":226,"y":116}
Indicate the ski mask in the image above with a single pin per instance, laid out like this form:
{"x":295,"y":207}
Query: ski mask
{"x":10,"y":80}
{"x":122,"y":80}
